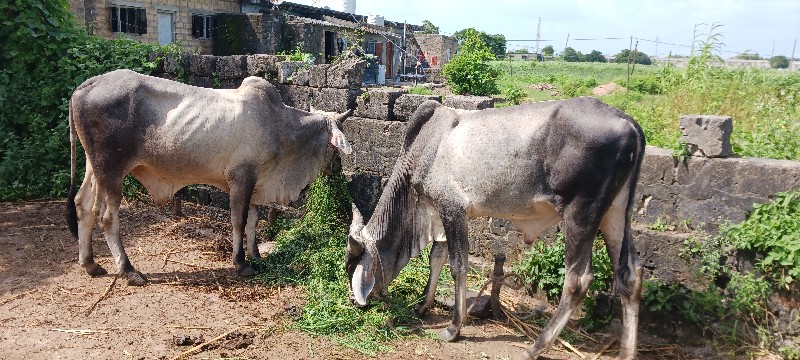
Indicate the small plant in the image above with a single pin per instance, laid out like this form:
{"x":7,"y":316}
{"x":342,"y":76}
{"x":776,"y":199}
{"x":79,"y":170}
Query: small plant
{"x":514,"y":95}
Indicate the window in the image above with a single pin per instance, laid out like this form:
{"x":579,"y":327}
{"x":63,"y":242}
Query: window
{"x":370,"y":48}
{"x":129,"y":20}
{"x":203,"y":26}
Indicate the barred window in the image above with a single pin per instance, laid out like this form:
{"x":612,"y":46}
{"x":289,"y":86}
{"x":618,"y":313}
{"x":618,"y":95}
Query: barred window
{"x":129,"y":20}
{"x":203,"y":26}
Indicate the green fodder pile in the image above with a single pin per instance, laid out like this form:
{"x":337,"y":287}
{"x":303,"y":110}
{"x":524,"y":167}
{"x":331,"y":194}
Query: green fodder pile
{"x":310,"y":253}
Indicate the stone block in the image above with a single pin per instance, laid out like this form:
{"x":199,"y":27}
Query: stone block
{"x":348,"y":74}
{"x":469,"y":102}
{"x":319,"y":76}
{"x":334,"y":100}
{"x":376,"y":145}
{"x":433,"y":75}
{"x":157,"y":58}
{"x":660,"y":255}
{"x":366,"y":189}
{"x":707,"y":135}
{"x":202,"y":65}
{"x":295,"y":96}
{"x":230,"y":83}
{"x":293,"y":72}
{"x":262,"y":65}
{"x":173,"y":64}
{"x":203,"y":81}
{"x":232,"y":67}
{"x":407,"y":104}
{"x":378,"y":103}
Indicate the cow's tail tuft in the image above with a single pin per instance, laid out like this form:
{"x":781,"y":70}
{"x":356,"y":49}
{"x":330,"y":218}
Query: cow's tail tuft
{"x":629,"y":259}
{"x":72,"y":212}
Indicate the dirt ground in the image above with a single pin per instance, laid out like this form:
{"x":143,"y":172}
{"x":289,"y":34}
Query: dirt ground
{"x":194,"y":296}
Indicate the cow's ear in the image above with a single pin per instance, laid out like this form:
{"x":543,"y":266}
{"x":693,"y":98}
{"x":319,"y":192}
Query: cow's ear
{"x":339,"y":140}
{"x":363,"y":280}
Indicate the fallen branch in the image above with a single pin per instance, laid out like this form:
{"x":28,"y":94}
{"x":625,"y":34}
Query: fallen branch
{"x":568,"y":346}
{"x":108,"y":290}
{"x":198,"y":347}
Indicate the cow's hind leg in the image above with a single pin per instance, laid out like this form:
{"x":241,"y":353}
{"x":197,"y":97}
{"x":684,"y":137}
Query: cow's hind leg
{"x":109,"y":223}
{"x":242,"y":182}
{"x":85,"y":201}
{"x":578,"y":277}
{"x":437,"y":258}
{"x":627,"y":270}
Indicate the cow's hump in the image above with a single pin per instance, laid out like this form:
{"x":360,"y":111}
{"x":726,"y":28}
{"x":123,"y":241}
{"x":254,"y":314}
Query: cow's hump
{"x":256,"y":84}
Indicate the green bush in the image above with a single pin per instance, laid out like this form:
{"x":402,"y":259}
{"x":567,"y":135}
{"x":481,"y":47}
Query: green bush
{"x":45,"y":56}
{"x":469,"y":72}
{"x":513,"y":95}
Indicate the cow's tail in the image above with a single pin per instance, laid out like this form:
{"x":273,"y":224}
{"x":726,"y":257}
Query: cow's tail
{"x":629,"y":258}
{"x":72,"y":212}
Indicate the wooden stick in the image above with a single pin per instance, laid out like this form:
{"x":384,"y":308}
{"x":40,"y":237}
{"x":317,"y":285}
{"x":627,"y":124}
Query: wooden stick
{"x":189,"y":327}
{"x":17,"y":296}
{"x":108,"y":290}
{"x":80,"y":331}
{"x":605,"y":347}
{"x":568,"y":346}
{"x":198,"y":347}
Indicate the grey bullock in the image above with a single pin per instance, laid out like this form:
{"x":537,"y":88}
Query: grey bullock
{"x":168,"y":135}
{"x":575,"y":160}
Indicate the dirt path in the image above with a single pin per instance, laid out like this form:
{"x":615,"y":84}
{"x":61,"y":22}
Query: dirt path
{"x":193,"y":295}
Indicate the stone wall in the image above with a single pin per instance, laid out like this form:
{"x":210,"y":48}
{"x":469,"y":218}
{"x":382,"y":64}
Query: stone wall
{"x":438,"y":49}
{"x":699,"y":192}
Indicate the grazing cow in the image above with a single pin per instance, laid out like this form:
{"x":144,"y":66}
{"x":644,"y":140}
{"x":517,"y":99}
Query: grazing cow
{"x":575,"y":160}
{"x":168,"y":135}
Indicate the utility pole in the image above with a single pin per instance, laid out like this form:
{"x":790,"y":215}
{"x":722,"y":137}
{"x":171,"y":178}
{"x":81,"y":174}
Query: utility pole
{"x":773,"y":49}
{"x":655,"y":55}
{"x":538,"y":35}
{"x":694,"y":38}
{"x":566,"y":43}
{"x":791,"y":61}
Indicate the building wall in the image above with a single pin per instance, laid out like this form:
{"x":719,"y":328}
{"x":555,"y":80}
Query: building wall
{"x":438,"y":49}
{"x":96,"y":14}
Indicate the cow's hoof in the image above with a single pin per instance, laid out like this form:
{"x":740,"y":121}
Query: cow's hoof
{"x":245,"y":271}
{"x":136,"y":278}
{"x":421,"y":311}
{"x":94,"y":269}
{"x":448,"y":334}
{"x":524,"y":355}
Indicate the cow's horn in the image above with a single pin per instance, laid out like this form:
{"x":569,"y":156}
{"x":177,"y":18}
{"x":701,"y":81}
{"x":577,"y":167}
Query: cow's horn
{"x":357,"y":218}
{"x":342,"y":117}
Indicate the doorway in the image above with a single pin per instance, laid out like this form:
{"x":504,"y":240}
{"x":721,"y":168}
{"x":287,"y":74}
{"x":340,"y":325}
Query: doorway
{"x":330,"y":46}
{"x":166,"y":27}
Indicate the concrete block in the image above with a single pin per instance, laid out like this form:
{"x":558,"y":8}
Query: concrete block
{"x":407,"y":104}
{"x":334,"y":100}
{"x":261,"y":65}
{"x":232,"y":67}
{"x":378,"y":103}
{"x":707,"y":135}
{"x":203,"y":65}
{"x":469,"y":102}
{"x":319,"y":76}
{"x":348,"y":74}
{"x":293,"y":72}
{"x":376,"y":145}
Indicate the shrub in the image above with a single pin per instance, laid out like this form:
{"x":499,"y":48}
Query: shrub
{"x":469,"y":72}
{"x":779,"y":62}
{"x":514,"y":94}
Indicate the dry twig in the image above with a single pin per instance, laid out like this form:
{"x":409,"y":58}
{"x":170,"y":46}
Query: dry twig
{"x":108,"y":290}
{"x":17,"y":296}
{"x":605,"y":347}
{"x":199,"y":347}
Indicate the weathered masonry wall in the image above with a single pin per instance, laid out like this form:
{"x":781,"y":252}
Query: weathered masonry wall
{"x":701,"y":192}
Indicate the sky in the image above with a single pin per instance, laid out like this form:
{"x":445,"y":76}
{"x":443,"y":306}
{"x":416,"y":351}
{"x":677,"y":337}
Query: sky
{"x":661,"y":27}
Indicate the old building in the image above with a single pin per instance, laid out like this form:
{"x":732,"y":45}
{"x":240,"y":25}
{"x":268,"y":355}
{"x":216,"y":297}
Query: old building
{"x":228,"y":27}
{"x":438,"y":49}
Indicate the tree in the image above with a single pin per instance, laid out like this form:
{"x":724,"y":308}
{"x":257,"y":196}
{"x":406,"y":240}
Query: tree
{"x":429,"y":28}
{"x":747,"y":55}
{"x":548,"y":50}
{"x":469,"y":71}
{"x":641,"y":58}
{"x":570,"y":55}
{"x":779,"y":62}
{"x":594,"y":56}
{"x":495,"y":43}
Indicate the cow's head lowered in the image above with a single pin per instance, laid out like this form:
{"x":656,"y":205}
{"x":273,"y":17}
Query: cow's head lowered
{"x":360,"y":261}
{"x":337,"y":137}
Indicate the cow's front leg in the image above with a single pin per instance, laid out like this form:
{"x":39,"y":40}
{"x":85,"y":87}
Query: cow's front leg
{"x":242,"y":182}
{"x":250,"y":230}
{"x":455,"y":228}
{"x":437,"y":258}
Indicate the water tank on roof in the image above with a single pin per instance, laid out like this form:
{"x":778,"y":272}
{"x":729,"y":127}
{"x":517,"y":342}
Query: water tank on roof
{"x":348,"y":6}
{"x":375,"y":20}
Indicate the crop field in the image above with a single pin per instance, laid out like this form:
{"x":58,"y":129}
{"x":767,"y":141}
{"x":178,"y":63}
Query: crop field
{"x":763,"y":102}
